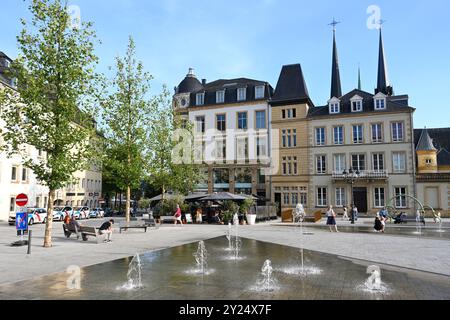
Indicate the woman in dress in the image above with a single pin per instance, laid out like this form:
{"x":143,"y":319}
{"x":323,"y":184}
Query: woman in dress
{"x":331,"y":219}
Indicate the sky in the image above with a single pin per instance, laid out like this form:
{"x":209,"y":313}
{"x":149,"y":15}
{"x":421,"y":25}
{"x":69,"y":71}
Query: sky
{"x":224,"y":39}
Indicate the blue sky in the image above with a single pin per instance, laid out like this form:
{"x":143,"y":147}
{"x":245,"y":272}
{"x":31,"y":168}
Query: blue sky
{"x":254,"y":38}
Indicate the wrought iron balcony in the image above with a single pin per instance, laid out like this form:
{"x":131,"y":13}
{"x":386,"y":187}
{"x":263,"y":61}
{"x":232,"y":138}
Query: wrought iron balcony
{"x":363,"y":175}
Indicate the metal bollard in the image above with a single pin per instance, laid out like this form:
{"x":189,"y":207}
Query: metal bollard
{"x":29,"y":242}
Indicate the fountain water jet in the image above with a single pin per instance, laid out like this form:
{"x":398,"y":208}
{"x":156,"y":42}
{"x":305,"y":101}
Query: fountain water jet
{"x":201,"y":258}
{"x":228,"y":235}
{"x":268,"y":282}
{"x":134,"y":275}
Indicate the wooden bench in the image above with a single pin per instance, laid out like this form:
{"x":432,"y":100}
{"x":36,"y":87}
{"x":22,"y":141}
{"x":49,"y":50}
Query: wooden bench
{"x":68,"y":230}
{"x":314,"y":219}
{"x":89,"y":232}
{"x":84,"y":232}
{"x":164,"y":219}
{"x":150,"y":222}
{"x":287,"y":215}
{"x":405,"y":219}
{"x":133,"y":225}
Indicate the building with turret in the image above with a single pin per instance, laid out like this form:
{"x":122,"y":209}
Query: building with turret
{"x":433,"y":168}
{"x":231,"y":129}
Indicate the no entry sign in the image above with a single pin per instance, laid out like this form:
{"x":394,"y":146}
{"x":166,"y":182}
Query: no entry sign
{"x":21,"y":200}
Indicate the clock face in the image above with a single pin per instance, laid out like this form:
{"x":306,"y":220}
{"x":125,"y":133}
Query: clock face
{"x":183,"y":102}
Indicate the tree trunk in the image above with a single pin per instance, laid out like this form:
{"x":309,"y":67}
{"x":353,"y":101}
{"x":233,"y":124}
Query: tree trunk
{"x":127,"y":206}
{"x":163,"y":198}
{"x":49,"y":223}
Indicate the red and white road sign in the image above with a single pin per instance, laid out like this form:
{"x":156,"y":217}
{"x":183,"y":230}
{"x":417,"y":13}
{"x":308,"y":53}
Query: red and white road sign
{"x":21,"y":200}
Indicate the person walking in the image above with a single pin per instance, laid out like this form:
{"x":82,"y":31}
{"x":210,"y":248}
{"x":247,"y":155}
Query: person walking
{"x":345,"y":216}
{"x":331,"y":219}
{"x":177,"y":216}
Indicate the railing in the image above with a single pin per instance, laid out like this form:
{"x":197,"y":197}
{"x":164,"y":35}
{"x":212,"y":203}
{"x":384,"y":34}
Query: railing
{"x":367,"y":174}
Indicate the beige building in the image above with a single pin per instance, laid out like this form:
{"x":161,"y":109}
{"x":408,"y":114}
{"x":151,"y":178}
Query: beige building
{"x":433,"y":168}
{"x":85,"y":191}
{"x":290,"y":105}
{"x":362,"y":146}
{"x":373,"y":137}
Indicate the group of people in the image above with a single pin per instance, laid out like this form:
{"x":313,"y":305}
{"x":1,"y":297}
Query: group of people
{"x":331,"y":216}
{"x":105,"y":228}
{"x":380,"y":220}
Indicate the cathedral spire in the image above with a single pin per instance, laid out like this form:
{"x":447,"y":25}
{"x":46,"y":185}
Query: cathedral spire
{"x":359,"y":78}
{"x":383,"y":84}
{"x":336,"y":90}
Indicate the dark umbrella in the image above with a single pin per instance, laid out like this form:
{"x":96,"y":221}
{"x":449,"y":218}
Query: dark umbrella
{"x":166,"y":197}
{"x":223,"y":196}
{"x":195,"y":196}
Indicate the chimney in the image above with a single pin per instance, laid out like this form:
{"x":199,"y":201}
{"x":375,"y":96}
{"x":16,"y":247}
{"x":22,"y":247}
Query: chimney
{"x":203,"y":82}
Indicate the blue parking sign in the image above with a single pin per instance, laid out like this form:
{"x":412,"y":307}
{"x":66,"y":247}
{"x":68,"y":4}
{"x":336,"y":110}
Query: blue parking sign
{"x":22,"y":221}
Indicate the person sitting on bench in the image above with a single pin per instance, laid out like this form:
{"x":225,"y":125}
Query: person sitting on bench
{"x":106,"y":229}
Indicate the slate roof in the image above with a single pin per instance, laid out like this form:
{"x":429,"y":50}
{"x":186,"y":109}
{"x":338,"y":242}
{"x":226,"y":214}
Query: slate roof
{"x":425,"y":142}
{"x":189,"y":84}
{"x":441,"y":141}
{"x":291,"y":86}
{"x":393,"y":104}
{"x":231,"y":86}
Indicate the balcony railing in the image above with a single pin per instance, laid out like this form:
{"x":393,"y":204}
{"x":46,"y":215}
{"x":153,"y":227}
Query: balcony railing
{"x":366,"y":174}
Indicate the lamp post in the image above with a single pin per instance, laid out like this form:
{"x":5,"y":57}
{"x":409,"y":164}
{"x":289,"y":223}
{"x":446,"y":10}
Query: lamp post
{"x":352,"y":177}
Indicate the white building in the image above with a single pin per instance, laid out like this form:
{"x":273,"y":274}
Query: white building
{"x":231,"y":124}
{"x":14,"y":177}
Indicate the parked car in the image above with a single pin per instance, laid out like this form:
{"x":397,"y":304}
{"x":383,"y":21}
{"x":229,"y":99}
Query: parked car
{"x":108,"y":212}
{"x":69,"y":211}
{"x":82,"y":213}
{"x":58,"y":214}
{"x":97,"y":213}
{"x":35,"y":215}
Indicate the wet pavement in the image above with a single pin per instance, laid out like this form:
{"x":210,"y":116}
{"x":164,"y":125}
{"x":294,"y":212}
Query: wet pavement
{"x":168,"y":274}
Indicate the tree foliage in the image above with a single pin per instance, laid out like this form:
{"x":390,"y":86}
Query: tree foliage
{"x":126,"y":112}
{"x":53,"y":107}
{"x":171,"y":149}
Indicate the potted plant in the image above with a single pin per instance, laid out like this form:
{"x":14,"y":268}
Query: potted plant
{"x":245,"y":210}
{"x":227,"y":217}
{"x":229,"y":209}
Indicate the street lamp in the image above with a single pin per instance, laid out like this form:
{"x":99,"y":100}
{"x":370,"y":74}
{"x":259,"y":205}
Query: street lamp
{"x":352,"y":177}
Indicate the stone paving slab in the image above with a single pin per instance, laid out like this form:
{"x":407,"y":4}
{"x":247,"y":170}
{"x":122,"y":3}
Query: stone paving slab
{"x":421,"y":254}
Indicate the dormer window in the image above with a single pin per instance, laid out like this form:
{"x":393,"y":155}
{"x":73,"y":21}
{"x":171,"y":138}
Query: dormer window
{"x":357,"y":104}
{"x":259,"y":92}
{"x":220,"y":96}
{"x":200,"y":99}
{"x":380,"y":104}
{"x":242,"y":94}
{"x":334,"y":106}
{"x":380,"y":101}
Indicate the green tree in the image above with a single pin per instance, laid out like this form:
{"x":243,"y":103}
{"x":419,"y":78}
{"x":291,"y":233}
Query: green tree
{"x":171,"y":164}
{"x":126,"y":113}
{"x":52,"y":109}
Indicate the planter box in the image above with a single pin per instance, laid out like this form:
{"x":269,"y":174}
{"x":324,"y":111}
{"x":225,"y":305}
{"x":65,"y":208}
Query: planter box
{"x":251,"y":219}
